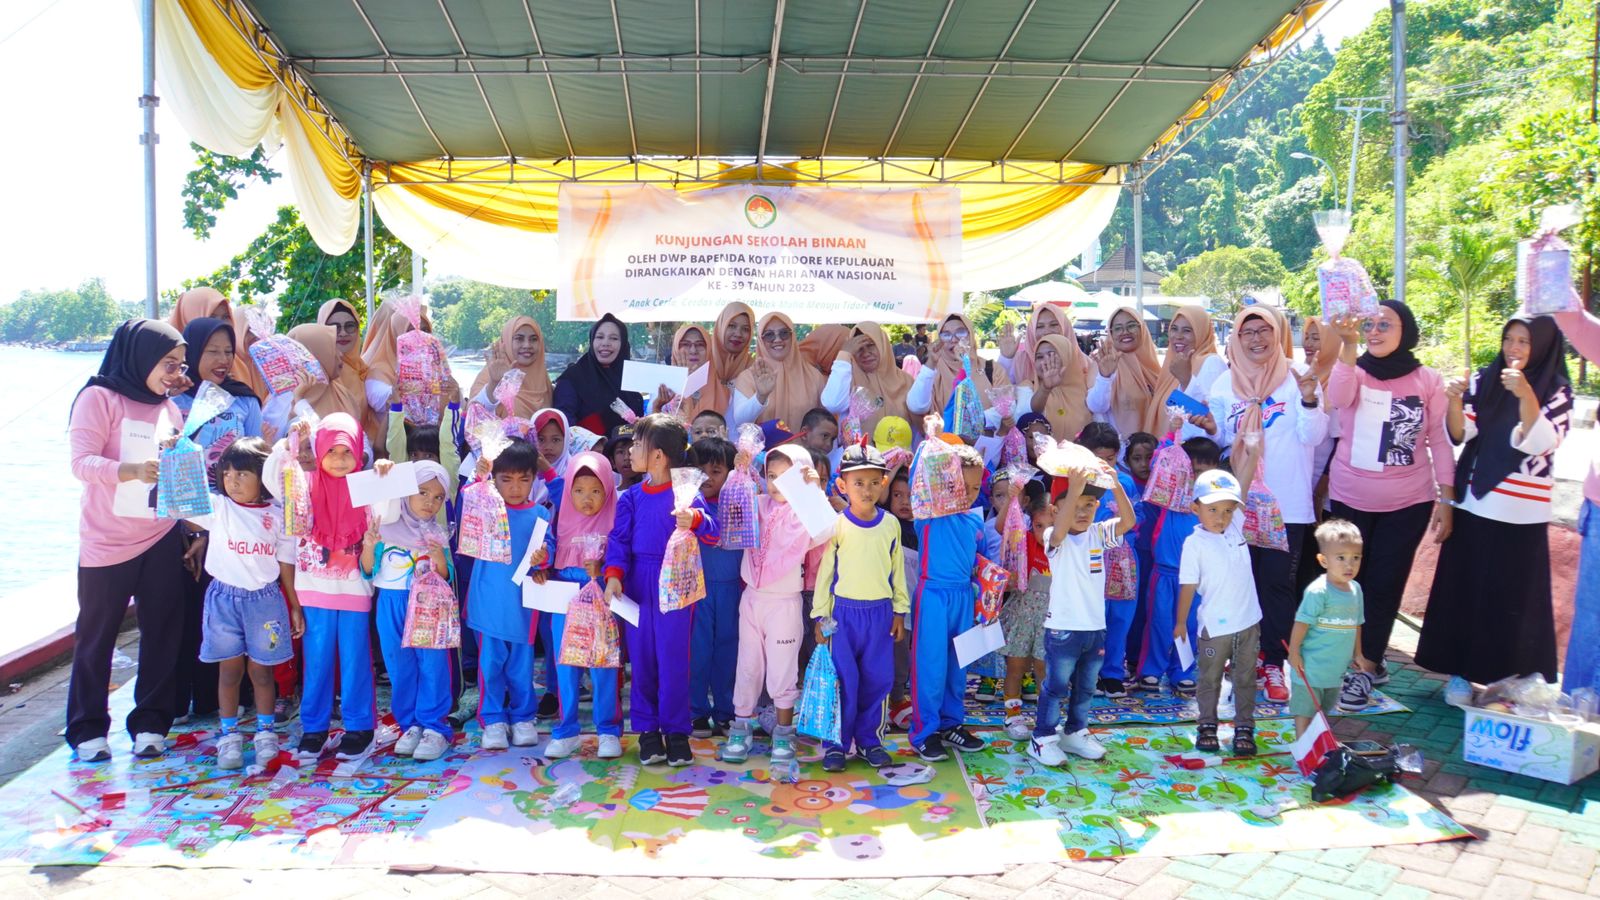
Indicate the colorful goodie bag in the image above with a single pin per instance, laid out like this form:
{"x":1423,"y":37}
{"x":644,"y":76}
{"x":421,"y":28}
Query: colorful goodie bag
{"x":992,"y":579}
{"x":1015,"y":527}
{"x":736,"y":504}
{"x":1345,"y":286}
{"x":589,"y":639}
{"x":964,"y":410}
{"x":183,"y":488}
{"x":937,"y":488}
{"x":433,"y":618}
{"x":818,"y":714}
{"x":1171,"y":484}
{"x":485,"y":529}
{"x":682,"y":580}
{"x":279,"y":357}
{"x":853,"y":426}
{"x":1263,"y":518}
{"x":1544,"y":266}
{"x":1122,"y":572}
{"x":295,"y":491}
{"x":421,"y":369}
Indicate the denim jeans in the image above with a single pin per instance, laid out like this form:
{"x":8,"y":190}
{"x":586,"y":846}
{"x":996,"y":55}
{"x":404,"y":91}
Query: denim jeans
{"x":1583,"y":645}
{"x":1071,"y":667}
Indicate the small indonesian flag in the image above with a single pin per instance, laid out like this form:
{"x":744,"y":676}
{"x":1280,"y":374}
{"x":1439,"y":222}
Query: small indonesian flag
{"x":1311,"y":748}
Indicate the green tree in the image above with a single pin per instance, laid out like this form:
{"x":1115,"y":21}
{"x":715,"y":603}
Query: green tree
{"x":1469,"y":266}
{"x":1227,"y":274}
{"x":83,"y":313}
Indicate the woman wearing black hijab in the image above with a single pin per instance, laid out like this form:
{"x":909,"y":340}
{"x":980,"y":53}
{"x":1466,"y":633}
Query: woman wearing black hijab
{"x":1392,"y":473}
{"x":1489,"y":612}
{"x":585,"y":391}
{"x":123,"y":548}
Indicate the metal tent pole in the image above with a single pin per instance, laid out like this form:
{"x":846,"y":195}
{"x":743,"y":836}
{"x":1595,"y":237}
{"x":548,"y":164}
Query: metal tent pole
{"x":417,"y":270}
{"x":1402,"y":149}
{"x":148,"y":101}
{"x":366,"y":229}
{"x":1138,"y":243}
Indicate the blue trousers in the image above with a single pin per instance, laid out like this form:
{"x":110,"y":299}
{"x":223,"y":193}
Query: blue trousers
{"x":938,"y":681}
{"x":863,"y":657}
{"x":551,"y":648}
{"x":419,"y":680}
{"x":337,"y":637}
{"x":659,"y":652}
{"x":505,"y":681}
{"x":1583,"y":645}
{"x":1160,"y":657}
{"x":607,"y":709}
{"x":714,"y":651}
{"x":1071,"y":667}
{"x":1119,"y":619}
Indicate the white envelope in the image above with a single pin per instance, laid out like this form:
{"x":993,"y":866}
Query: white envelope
{"x":135,"y":499}
{"x":519,"y":575}
{"x":550,"y":597}
{"x":975,"y":642}
{"x":646,"y":377}
{"x":697,"y":379}
{"x":368,"y":488}
{"x":1185,"y":652}
{"x":990,"y":448}
{"x":624,"y":606}
{"x":807,"y":501}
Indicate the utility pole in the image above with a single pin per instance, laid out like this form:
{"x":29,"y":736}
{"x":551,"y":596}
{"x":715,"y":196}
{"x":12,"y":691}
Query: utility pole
{"x":1358,"y":108}
{"x":1402,"y":148}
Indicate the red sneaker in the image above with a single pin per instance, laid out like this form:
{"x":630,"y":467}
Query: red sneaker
{"x":1277,"y":688}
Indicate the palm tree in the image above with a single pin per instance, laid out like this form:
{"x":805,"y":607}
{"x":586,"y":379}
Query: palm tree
{"x":1468,"y":265}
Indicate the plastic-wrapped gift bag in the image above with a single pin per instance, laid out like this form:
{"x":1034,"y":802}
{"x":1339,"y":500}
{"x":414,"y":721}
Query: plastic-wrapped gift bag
{"x":624,"y":411}
{"x":682,"y":581}
{"x":1263,"y":518}
{"x":1544,"y":266}
{"x":992,"y":579}
{"x":421,"y":369}
{"x":1346,"y":289}
{"x":853,"y":427}
{"x":964,"y":410}
{"x":737,"y":514}
{"x":818,"y":714}
{"x":1171,"y":484}
{"x":295,"y":492}
{"x":505,"y":393}
{"x":1015,"y":527}
{"x":590,"y":637}
{"x":182,"y":489}
{"x":1122,"y":572}
{"x":1013,"y":447}
{"x":485,"y":530}
{"x":937,"y":488}
{"x":433,"y":618}
{"x":279,"y":357}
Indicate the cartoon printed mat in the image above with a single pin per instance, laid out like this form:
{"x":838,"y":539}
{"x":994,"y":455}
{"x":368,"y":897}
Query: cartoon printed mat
{"x":513,"y":812}
{"x":1135,"y":802}
{"x":1146,"y":708}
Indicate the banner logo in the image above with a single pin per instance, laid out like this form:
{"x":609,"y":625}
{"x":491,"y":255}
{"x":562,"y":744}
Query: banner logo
{"x":760,"y":211}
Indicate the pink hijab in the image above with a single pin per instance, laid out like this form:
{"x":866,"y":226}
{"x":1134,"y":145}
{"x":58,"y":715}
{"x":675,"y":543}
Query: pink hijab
{"x":569,"y":553}
{"x":335,"y":524}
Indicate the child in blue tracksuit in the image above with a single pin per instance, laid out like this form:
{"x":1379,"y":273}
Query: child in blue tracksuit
{"x":419,"y":678}
{"x":1137,"y":452}
{"x":714,"y":646}
{"x":588,"y":507}
{"x":658,"y":647}
{"x":944,"y":608}
{"x":1158,"y":656}
{"x":507,"y":706}
{"x":1102,"y":440}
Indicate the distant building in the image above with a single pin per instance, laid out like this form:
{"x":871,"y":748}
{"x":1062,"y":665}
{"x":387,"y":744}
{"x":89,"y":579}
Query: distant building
{"x":1116,"y":275}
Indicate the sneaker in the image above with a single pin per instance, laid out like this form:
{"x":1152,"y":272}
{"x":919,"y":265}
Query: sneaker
{"x":610,"y":747}
{"x":1019,"y":727}
{"x":266,"y":746}
{"x":312,"y":742}
{"x":736,"y":749}
{"x":354,"y":744}
{"x":1030,"y":687}
{"x":702,"y":727}
{"x":1356,"y":694}
{"x":1185,"y":688}
{"x":230,"y":751}
{"x":678,"y":751}
{"x":432,"y":746}
{"x":834,"y":760}
{"x":652,"y":749}
{"x":1151,"y":683}
{"x":719,"y":727}
{"x":524,"y":734}
{"x":1111,"y":687}
{"x":783,"y":744}
{"x":561,"y":748}
{"x":496,"y":736}
{"x":407,"y":744}
{"x":1082,"y":743}
{"x":549,"y":707}
{"x":1047,"y":751}
{"x":1380,"y":675}
{"x":877,"y":757}
{"x":1457,"y":693}
{"x":963,"y":740}
{"x":147,"y":745}
{"x":988,"y":689}
{"x":932,"y":749}
{"x":94,"y":750}
{"x":1277,"y":688}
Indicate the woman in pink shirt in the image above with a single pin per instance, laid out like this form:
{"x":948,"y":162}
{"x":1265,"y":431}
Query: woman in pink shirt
{"x":1393,"y":473}
{"x":123,"y":548}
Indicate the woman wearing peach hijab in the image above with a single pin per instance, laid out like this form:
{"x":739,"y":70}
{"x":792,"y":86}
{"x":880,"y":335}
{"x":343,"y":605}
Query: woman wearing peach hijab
{"x":520,"y":346}
{"x":198,"y":303}
{"x":1060,"y":387}
{"x":1128,"y":372}
{"x":1191,"y":365}
{"x":330,"y":398}
{"x":781,"y":385}
{"x":340,"y":315}
{"x":244,"y":366}
{"x":937,"y":380}
{"x":866,"y":360}
{"x":730,"y":355}
{"x":691,"y":349}
{"x":1017,"y":355}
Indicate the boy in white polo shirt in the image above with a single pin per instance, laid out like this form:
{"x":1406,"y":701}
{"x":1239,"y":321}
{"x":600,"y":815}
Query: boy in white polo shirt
{"x":1216,"y":564}
{"x":1075,"y":626}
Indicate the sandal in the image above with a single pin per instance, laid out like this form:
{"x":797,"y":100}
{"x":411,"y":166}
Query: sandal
{"x":1206,"y":740}
{"x":1244,"y":741}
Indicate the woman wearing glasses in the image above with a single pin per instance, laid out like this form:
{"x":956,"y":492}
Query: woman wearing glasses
{"x":1128,"y":372}
{"x":1264,"y":393}
{"x":1393,"y":472}
{"x":586,"y":390}
{"x":781,"y":385}
{"x":123,"y":548}
{"x":956,"y":342}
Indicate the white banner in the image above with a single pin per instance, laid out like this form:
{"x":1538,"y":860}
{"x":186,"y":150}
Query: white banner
{"x":647,"y":254}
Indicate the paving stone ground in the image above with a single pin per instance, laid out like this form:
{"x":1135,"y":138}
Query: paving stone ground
{"x":1536,"y":839}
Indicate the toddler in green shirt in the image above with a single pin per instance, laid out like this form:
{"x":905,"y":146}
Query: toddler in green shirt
{"x":1327,"y":627}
